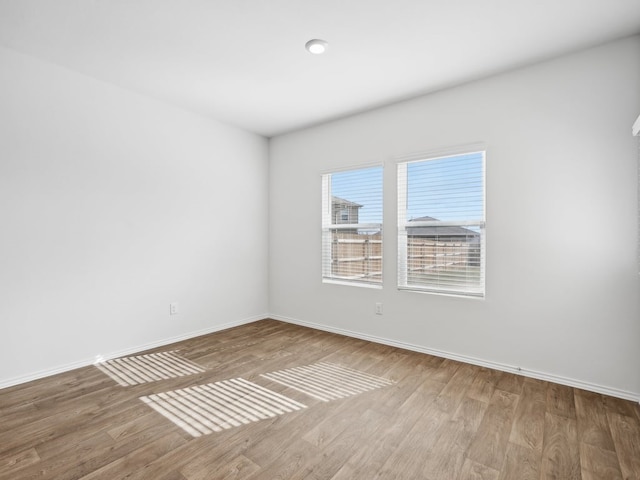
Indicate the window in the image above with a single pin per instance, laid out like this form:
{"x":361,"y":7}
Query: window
{"x":441,"y":220}
{"x":352,"y":226}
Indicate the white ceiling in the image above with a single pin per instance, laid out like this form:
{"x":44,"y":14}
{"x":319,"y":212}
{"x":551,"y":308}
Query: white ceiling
{"x":243,"y":61}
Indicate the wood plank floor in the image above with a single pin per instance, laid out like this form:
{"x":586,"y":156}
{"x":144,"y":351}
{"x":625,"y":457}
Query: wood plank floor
{"x":439,"y":419}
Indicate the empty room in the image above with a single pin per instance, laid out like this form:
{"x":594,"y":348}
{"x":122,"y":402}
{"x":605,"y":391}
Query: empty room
{"x":282,"y":239}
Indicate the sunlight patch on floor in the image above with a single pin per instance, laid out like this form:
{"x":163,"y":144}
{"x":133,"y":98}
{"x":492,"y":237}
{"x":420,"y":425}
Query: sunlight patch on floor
{"x":148,"y":368}
{"x":214,"y":407}
{"x":327,"y":381}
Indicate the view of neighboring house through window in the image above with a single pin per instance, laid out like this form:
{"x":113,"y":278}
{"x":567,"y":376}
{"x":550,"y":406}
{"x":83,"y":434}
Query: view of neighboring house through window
{"x":441,"y":220}
{"x":352,"y":226}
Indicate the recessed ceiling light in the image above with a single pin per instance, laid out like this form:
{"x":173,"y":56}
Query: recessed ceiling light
{"x":316,"y":46}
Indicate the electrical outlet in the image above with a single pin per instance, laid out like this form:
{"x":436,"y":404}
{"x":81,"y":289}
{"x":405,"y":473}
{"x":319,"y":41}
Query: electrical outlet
{"x":173,"y":308}
{"x":378,"y":308}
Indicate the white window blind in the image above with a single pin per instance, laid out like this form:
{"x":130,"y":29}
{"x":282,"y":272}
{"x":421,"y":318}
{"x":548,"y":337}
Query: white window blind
{"x":441,"y":224}
{"x":352,"y":226}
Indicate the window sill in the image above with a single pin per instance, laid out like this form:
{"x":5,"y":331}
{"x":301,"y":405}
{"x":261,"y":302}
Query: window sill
{"x":352,"y":284}
{"x":471,"y":296}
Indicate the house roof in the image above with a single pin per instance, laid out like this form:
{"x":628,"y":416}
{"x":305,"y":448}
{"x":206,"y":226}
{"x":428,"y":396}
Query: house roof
{"x":342,"y":201}
{"x":432,"y":231}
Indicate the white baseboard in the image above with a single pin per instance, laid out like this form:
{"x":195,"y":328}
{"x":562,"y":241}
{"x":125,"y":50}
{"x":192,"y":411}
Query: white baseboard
{"x":570,"y":382}
{"x":4,"y":383}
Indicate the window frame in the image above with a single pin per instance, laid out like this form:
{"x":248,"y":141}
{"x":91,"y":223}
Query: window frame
{"x":403,"y":223}
{"x":328,"y":228}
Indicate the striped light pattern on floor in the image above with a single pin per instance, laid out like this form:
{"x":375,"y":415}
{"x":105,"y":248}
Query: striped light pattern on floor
{"x":148,"y":368}
{"x":204,"y":409}
{"x":327,"y":381}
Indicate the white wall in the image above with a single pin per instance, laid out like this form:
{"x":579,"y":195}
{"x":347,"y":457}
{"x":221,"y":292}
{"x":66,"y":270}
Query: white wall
{"x":562,"y":296}
{"x":112,"y":205}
